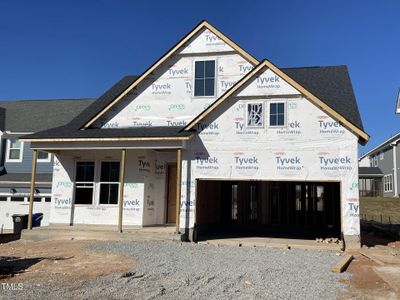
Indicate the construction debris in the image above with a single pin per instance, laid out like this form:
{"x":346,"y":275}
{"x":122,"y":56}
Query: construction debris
{"x":328,"y":240}
{"x":342,"y":265}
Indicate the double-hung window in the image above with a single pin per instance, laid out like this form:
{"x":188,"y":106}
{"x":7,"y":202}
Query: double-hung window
{"x":388,"y":183}
{"x":14,"y":150}
{"x":84,"y":182}
{"x":204,"y":78}
{"x":277,"y":114}
{"x":109,"y":182}
{"x":255,"y":115}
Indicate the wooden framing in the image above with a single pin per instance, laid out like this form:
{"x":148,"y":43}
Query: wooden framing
{"x":363,"y":137}
{"x":121,"y":189}
{"x":32,"y":190}
{"x":178,"y":186}
{"x":116,"y":139}
{"x":203,"y":25}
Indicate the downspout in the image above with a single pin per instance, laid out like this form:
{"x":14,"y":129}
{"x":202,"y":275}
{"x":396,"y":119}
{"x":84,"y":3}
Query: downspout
{"x":394,"y":149}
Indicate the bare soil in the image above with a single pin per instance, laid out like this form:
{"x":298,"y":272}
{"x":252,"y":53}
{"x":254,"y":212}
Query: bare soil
{"x":46,"y":260}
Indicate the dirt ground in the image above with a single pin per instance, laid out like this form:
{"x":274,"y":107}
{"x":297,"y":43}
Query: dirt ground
{"x":24,"y":261}
{"x":365,"y":283}
{"x":48,"y":261}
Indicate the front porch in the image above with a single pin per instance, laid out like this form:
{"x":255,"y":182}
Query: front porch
{"x":117,"y":185}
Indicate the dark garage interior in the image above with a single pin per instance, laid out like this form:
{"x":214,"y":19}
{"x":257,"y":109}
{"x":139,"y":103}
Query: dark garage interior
{"x":302,"y":210}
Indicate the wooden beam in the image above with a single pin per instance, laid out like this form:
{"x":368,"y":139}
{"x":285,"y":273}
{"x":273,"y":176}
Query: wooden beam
{"x":121,"y":189}
{"x":114,"y":139}
{"x":32,"y":191}
{"x":342,"y":265}
{"x":178,"y":186}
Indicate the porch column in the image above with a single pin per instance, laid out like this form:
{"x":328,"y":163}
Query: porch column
{"x":178,"y":186}
{"x":121,"y":189}
{"x":394,"y":149}
{"x":32,"y":192}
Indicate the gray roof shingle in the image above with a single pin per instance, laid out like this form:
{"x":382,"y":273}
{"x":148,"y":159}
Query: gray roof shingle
{"x":374,"y":171}
{"x":65,"y":132}
{"x":330,"y":84}
{"x":37,"y":115}
{"x":333,"y":86}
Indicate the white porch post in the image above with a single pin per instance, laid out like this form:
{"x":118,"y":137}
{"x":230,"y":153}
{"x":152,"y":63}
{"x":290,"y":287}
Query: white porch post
{"x":394,"y":149}
{"x":121,"y":189}
{"x":178,"y":186}
{"x":32,"y":191}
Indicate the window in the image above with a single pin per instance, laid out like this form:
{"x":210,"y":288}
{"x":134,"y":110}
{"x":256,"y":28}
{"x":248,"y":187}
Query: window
{"x":47,"y":199}
{"x":14,"y":150}
{"x":255,"y":115}
{"x":109,"y":182}
{"x":204,"y":78}
{"x":375,"y":159}
{"x":388,"y":183}
{"x":381,"y":155}
{"x":277,"y":114}
{"x":84,"y":182}
{"x":43,"y":156}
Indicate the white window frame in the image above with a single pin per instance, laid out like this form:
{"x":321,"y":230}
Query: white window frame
{"x":262,"y":117}
{"x":269,"y":113}
{"x":21,"y":151}
{"x":381,"y":155}
{"x":94,"y":186}
{"x":215,"y":77}
{"x":48,"y":159}
{"x":388,"y":183}
{"x":375,"y":160}
{"x":106,"y":182}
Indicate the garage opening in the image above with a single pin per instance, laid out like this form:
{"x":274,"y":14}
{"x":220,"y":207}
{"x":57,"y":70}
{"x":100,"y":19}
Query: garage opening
{"x":303,"y":210}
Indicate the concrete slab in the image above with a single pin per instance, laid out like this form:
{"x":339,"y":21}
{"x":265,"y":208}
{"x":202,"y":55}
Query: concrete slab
{"x":275,"y":243}
{"x":93,"y":232}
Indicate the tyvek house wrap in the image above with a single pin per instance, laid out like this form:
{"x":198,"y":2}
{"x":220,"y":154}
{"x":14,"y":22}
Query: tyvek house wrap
{"x":166,"y":98}
{"x":311,"y":147}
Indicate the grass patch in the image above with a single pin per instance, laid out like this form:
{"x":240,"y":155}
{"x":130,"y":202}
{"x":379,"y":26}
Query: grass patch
{"x":372,"y":208}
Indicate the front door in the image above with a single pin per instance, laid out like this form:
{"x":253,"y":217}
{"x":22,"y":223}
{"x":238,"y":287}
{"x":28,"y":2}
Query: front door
{"x":171,"y":194}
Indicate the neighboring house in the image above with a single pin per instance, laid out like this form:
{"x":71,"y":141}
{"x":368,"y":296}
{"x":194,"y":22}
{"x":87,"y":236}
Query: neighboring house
{"x":20,"y":118}
{"x":210,"y":138}
{"x":386,"y":157}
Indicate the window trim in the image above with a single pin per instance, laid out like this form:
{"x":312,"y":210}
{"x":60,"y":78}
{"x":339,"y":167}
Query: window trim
{"x":21,"y":151}
{"x":284,"y":114}
{"x":375,"y":160}
{"x":381,"y":155}
{"x":41,"y":160}
{"x":388,"y":184}
{"x":107,"y":182}
{"x":93,"y":187}
{"x":215,"y":77}
{"x":262,"y":118}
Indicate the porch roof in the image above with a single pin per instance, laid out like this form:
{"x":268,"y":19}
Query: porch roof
{"x":368,"y":172}
{"x":64,"y":133}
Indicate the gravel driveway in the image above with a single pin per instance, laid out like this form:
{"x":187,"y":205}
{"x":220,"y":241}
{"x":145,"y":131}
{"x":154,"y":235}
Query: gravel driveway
{"x":171,"y":270}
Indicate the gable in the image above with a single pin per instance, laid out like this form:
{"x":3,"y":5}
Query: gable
{"x":165,"y":97}
{"x":179,"y":47}
{"x":289,"y":87}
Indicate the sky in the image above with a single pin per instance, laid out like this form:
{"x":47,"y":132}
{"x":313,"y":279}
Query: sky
{"x":79,"y":48}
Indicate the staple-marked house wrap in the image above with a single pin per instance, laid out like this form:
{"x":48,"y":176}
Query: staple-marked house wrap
{"x":251,"y":146}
